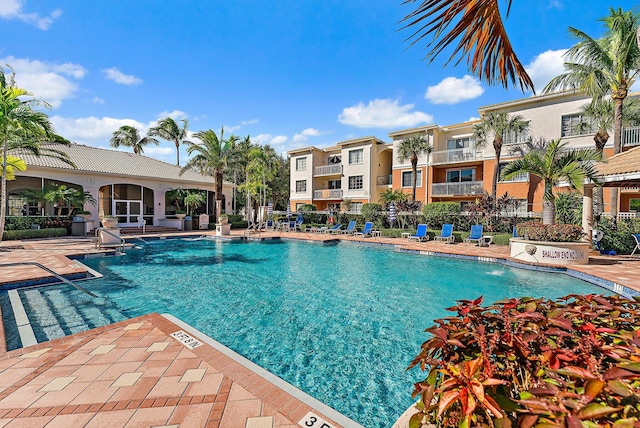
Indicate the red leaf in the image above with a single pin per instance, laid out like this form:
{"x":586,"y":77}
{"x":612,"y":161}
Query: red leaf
{"x":446,"y":400}
{"x":617,"y":373}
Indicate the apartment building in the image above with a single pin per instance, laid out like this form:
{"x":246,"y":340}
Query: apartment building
{"x":458,"y":169}
{"x":353,"y":171}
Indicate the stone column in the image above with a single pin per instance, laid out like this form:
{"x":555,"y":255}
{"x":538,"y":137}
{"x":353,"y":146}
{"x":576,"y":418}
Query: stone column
{"x":587,"y":211}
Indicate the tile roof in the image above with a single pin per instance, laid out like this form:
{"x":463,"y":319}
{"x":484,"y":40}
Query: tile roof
{"x":623,"y":163}
{"x":112,"y":162}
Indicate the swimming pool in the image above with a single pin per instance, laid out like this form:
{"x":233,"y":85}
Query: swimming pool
{"x":341,"y":322}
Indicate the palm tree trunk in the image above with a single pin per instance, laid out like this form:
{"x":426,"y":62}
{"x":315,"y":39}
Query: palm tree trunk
{"x":618,"y":98}
{"x":3,"y":195}
{"x":178,"y":153}
{"x":414,"y":167}
{"x":548,"y":212}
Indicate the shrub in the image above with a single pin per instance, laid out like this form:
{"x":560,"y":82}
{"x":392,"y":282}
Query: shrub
{"x":307,"y":208}
{"x":617,"y":236}
{"x":571,"y":362}
{"x":438,"y":213}
{"x":536,"y":231}
{"x":12,"y":235}
{"x":374,"y":213}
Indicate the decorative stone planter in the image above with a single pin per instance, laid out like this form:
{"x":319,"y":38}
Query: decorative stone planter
{"x":223,"y":229}
{"x":550,"y":253}
{"x":110,"y":223}
{"x":181,"y":216}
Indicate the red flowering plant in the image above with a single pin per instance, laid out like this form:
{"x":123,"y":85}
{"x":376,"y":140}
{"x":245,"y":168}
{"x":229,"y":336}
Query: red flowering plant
{"x":570,"y":362}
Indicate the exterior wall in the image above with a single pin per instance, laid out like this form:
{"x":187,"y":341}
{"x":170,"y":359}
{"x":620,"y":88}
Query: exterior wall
{"x":381,"y":168}
{"x":357,"y":169}
{"x":313,"y":159}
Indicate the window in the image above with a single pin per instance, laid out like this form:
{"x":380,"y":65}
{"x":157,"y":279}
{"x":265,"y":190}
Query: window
{"x":356,"y":207}
{"x":459,"y":143}
{"x":301,"y":164}
{"x":577,"y":124}
{"x":334,"y":184}
{"x":335,"y":159}
{"x":301,"y":185}
{"x":634,"y":205}
{"x":407,"y":179}
{"x":521,"y":176}
{"x":356,"y":156}
{"x":515,"y":137}
{"x":333,"y":206}
{"x":460,"y":175}
{"x":356,"y":182}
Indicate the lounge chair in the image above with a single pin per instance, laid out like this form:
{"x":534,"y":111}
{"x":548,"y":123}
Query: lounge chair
{"x":367,"y":231}
{"x":447,"y":234}
{"x":335,"y":229}
{"x":476,"y":235}
{"x":636,"y":237}
{"x":350,"y":230}
{"x":421,"y":234}
{"x":269,"y":226}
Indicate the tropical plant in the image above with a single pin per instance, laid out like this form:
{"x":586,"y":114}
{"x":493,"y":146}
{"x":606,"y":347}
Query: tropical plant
{"x":569,"y":207}
{"x":211,"y":158}
{"x":63,"y":195}
{"x":176,"y":197}
{"x":391,"y":195}
{"x":129,"y":136}
{"x":36,"y":196}
{"x":605,"y":66}
{"x":411,"y":148}
{"x":489,"y":208}
{"x":571,"y":362}
{"x":480,"y":33}
{"x":194,"y":199}
{"x":14,"y":164}
{"x":553,"y":164}
{"x":169,"y":130}
{"x":262,"y":168}
{"x":537,"y":231}
{"x":498,"y":125}
{"x":21,"y":127}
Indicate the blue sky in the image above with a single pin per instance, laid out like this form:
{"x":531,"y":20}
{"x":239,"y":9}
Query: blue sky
{"x":288,"y":73}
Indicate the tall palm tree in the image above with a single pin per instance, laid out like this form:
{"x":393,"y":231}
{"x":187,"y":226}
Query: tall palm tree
{"x":21,"y":127}
{"x":479,"y":32}
{"x":210,"y":158}
{"x":598,"y":116}
{"x":129,"y":136}
{"x":498,"y":125}
{"x":555,"y":163}
{"x":169,"y":130}
{"x":261,"y":168}
{"x":411,"y":148}
{"x":605,"y":66}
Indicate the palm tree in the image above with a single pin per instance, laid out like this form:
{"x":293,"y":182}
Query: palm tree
{"x":553,"y":164}
{"x":411,"y":148}
{"x":63,"y":195}
{"x":499,"y":125}
{"x":211,"y":156}
{"x":20,"y":127}
{"x":605,"y":66}
{"x":262,"y":167}
{"x":599,"y":115}
{"x":168,"y":129}
{"x":129,"y":136}
{"x":481,"y":37}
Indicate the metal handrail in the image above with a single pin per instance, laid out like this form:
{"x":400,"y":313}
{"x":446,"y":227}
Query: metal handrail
{"x":61,"y":278}
{"x":104,"y":229}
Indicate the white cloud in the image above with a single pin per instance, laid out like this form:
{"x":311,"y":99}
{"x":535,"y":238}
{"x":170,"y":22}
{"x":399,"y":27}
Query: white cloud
{"x":473,"y":119}
{"x":13,"y":9}
{"x":91,"y":130}
{"x":452,"y":90}
{"x":306,"y":133}
{"x":231,"y":128}
{"x":98,"y":100}
{"x":270,"y":139}
{"x":383,"y":113}
{"x":175,"y":115}
{"x":545,"y":67}
{"x":159,"y":152}
{"x":121,"y":78}
{"x":279,"y":139}
{"x":47,"y":81}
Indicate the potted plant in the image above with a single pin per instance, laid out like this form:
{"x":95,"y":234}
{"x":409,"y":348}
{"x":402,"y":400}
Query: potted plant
{"x":110,"y":221}
{"x":223,"y":219}
{"x":554,"y":244}
{"x":84,"y":214}
{"x":180,"y":214}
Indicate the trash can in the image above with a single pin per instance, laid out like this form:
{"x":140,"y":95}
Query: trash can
{"x":78,"y":227}
{"x":188,"y":224}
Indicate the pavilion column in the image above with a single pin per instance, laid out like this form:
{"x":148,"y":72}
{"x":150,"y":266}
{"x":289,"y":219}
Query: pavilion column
{"x":587,"y":211}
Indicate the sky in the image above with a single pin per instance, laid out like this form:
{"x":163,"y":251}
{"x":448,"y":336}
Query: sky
{"x":289,"y":73}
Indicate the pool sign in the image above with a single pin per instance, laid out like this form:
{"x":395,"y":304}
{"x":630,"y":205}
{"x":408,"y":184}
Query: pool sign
{"x":186,"y":340}
{"x":312,"y":420}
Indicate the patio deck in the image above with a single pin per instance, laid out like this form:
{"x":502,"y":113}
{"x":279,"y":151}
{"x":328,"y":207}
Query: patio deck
{"x":134,"y":373}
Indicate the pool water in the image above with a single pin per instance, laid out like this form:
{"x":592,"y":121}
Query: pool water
{"x":341,"y":322}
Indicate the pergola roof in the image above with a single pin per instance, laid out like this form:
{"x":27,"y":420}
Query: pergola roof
{"x":621,"y":170}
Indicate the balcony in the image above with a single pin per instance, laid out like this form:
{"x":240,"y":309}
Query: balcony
{"x":384,"y":180}
{"x":335,"y":169}
{"x":327,"y":194}
{"x":520,"y":177}
{"x":455,"y":189}
{"x":631,"y":136}
{"x":457,"y":155}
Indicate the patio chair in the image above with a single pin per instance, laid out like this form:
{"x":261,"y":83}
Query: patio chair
{"x":636,"y":237}
{"x":447,"y":234}
{"x":350,"y":230}
{"x":421,"y":234}
{"x":335,"y":229}
{"x":366,"y":231}
{"x":476,"y":234}
{"x":270,"y":226}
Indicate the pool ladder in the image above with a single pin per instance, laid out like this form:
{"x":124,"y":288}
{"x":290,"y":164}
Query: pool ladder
{"x":98,"y":239}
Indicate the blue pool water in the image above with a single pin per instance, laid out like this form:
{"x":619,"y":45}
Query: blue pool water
{"x":341,"y":322}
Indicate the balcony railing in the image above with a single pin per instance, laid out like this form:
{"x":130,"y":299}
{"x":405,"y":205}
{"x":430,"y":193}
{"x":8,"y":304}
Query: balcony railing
{"x":328,"y":170}
{"x":327,"y":194}
{"x":631,"y":136}
{"x":519,"y":177}
{"x":464,"y":188}
{"x":384,"y":180}
{"x":457,"y":155}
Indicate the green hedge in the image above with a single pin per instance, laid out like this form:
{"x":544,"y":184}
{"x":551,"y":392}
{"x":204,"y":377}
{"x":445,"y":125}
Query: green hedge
{"x":12,"y":235}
